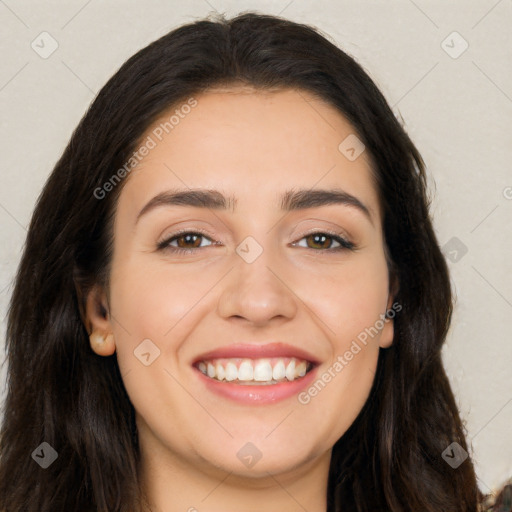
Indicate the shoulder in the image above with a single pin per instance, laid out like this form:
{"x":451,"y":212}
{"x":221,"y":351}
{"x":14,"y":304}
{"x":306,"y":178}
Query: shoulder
{"x":499,"y":501}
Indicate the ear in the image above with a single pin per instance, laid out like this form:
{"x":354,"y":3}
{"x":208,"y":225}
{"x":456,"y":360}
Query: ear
{"x":98,"y":322}
{"x":388,"y":331}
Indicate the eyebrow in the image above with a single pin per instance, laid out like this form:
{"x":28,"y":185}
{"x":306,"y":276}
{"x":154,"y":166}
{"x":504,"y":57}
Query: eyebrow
{"x":289,"y":201}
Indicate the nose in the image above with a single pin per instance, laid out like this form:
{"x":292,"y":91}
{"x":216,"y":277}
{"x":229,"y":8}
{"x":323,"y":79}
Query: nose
{"x":257,"y":292}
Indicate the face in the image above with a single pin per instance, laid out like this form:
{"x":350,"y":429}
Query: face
{"x":245,"y":290}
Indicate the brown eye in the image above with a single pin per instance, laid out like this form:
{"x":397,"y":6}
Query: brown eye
{"x":186,"y":241}
{"x":323,"y":241}
{"x":189,"y":238}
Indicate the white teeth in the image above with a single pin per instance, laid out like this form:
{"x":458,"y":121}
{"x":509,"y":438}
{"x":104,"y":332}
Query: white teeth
{"x":263,"y":371}
{"x":245,"y":372}
{"x":219,"y":370}
{"x":279,"y":371}
{"x":255,"y":372}
{"x":231,"y":371}
{"x":290,"y":370}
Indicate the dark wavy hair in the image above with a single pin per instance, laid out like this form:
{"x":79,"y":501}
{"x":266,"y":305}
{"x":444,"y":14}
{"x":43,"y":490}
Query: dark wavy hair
{"x":62,"y":393}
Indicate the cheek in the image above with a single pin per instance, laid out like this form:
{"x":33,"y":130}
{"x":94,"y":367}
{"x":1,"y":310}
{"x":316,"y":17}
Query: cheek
{"x":339,"y":393}
{"x":162,"y":304}
{"x":350,"y":299}
{"x":152,"y":302}
{"x":348,"y":302}
{"x":150,"y":299}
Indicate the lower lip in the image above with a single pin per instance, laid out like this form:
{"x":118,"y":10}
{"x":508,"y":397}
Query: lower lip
{"x":254,"y":394}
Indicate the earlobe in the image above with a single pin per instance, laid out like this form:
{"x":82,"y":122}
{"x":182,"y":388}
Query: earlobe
{"x":98,"y":324}
{"x":101,"y":344}
{"x":392,"y":308}
{"x":387,"y":334}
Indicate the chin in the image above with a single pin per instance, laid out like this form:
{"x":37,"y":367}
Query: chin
{"x":255,"y":460}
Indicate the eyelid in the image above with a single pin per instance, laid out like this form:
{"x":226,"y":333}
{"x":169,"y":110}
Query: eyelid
{"x":181,"y":231}
{"x":339,"y":233}
{"x":341,"y":238}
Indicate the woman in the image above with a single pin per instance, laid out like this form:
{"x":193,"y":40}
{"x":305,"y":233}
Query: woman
{"x":232,"y":296}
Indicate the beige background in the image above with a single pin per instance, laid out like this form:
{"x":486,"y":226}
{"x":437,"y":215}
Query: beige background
{"x":457,"y":106}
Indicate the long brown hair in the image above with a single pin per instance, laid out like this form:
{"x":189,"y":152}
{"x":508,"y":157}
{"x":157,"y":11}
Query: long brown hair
{"x":61,"y":393}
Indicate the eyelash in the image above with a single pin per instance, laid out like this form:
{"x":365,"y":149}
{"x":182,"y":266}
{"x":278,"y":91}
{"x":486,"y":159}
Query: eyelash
{"x":164,"y":245}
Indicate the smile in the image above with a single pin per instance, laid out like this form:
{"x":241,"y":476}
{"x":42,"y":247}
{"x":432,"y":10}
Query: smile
{"x":253,"y":374}
{"x":261,"y":371}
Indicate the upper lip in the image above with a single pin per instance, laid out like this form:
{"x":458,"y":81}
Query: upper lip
{"x":259,"y":351}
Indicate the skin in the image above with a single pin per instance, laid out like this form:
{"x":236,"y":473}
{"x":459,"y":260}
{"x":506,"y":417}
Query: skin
{"x":254,"y":145}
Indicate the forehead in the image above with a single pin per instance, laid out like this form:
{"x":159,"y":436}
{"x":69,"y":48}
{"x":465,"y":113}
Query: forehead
{"x":252,"y":144}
